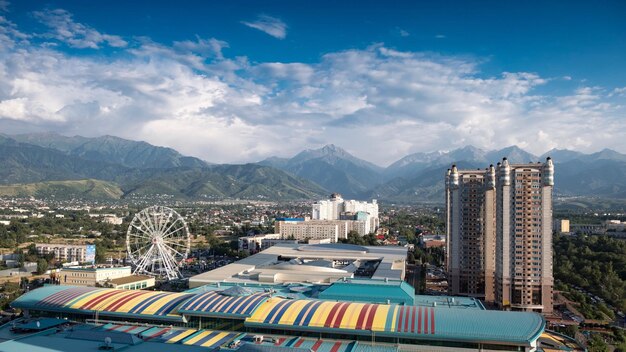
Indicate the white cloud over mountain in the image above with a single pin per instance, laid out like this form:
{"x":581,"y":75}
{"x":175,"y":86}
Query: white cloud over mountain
{"x":377,"y":102}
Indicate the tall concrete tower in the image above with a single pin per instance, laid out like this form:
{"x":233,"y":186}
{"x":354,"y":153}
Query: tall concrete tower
{"x":470,"y":228}
{"x":524,"y":236}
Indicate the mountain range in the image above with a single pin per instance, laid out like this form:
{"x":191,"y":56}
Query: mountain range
{"x":34,"y":165}
{"x":112,"y":167}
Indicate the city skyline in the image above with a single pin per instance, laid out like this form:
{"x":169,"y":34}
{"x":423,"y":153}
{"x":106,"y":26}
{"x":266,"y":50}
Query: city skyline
{"x":239,"y":83}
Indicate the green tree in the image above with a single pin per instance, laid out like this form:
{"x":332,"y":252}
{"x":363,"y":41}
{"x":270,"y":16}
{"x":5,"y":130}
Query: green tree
{"x":597,"y":344}
{"x":42,"y":266}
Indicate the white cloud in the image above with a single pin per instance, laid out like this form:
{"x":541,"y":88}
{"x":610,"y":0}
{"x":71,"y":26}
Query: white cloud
{"x":440,"y":36}
{"x":77,"y":35}
{"x":10,"y":35}
{"x":380,"y":103}
{"x":207,"y":47}
{"x":270,"y":25}
{"x":621,"y":92}
{"x":4,"y":5}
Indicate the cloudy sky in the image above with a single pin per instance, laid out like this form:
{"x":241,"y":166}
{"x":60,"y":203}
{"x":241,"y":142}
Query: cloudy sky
{"x":238,"y":81}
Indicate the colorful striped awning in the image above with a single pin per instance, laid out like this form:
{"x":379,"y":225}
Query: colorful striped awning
{"x":104,"y":300}
{"x":214,"y":304}
{"x":345,"y":315}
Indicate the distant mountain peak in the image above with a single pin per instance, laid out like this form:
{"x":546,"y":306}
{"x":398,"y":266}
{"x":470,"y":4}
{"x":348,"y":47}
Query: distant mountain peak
{"x":331,"y":149}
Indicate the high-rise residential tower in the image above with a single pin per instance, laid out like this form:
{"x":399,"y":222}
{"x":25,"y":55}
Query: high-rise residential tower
{"x":524,"y":236}
{"x":470,"y":227}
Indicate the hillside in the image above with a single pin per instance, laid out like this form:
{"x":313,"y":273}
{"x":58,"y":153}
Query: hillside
{"x":247,"y":181}
{"x":113,"y":150}
{"x":27,"y":163}
{"x":84,"y":189}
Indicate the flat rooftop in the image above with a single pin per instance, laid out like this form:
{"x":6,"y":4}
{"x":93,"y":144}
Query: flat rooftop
{"x":314,"y":263}
{"x":130,"y":279}
{"x":94,"y":268}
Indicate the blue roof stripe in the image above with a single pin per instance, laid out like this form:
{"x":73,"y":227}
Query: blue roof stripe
{"x":307,"y":319}
{"x":275,"y":310}
{"x":212,"y":303}
{"x":282,"y":311}
{"x":234,"y":303}
{"x":145,"y":304}
{"x":200,"y":300}
{"x":302,"y":312}
{"x":167,"y":308}
{"x":250,"y":305}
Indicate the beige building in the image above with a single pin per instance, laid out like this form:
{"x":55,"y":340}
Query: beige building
{"x":89,"y":276}
{"x":562,"y":226}
{"x":133,"y":282}
{"x":313,"y":229}
{"x":524,"y":236}
{"x":63,"y":252}
{"x":333,"y":230}
{"x":470,"y":230}
{"x":257,"y":243}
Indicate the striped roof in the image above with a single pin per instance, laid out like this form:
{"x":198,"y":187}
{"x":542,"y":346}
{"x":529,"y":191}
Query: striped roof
{"x":131,"y":329}
{"x":214,"y":304}
{"x":415,"y":322}
{"x":159,"y":305}
{"x":317,"y":345}
{"x":398,"y":321}
{"x":210,"y":339}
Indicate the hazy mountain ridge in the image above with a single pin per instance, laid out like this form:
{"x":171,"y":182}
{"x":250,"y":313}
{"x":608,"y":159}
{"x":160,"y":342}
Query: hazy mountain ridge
{"x":309,"y":174}
{"x":113,"y":150}
{"x":420,"y":176}
{"x":28,"y":169}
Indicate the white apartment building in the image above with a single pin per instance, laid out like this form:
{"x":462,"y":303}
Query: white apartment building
{"x":336,"y":208}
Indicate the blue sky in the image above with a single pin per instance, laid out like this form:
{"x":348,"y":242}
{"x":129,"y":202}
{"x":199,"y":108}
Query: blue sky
{"x":238,"y":81}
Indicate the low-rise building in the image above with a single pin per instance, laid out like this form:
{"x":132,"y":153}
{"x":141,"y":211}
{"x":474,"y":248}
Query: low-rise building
{"x":430,"y":241}
{"x":257,"y":243}
{"x":561,"y":226}
{"x":64,"y":252}
{"x":132,"y":282}
{"x":112,"y":219}
{"x":314,"y":263}
{"x":90,"y":275}
{"x":304,"y":230}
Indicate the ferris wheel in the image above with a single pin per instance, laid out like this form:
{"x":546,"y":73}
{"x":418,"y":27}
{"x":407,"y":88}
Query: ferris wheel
{"x":157,"y":241}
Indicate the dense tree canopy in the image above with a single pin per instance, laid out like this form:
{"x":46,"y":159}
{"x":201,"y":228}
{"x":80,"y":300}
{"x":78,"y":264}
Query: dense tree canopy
{"x":594,"y":263}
